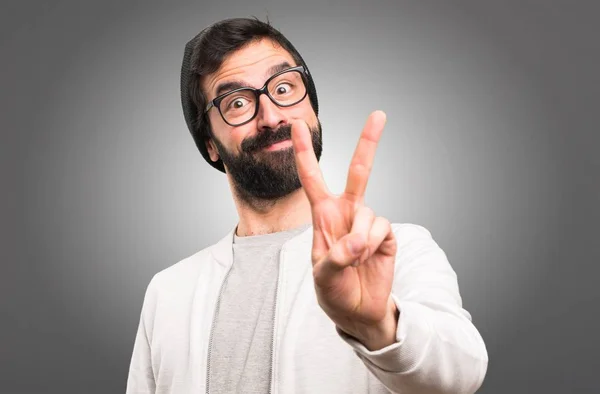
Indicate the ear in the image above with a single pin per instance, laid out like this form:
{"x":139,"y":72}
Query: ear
{"x":212,"y":149}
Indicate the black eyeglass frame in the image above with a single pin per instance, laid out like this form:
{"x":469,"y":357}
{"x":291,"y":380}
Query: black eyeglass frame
{"x":216,"y":102}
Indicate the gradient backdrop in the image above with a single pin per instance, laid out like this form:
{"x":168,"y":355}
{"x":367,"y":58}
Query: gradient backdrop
{"x":491,"y":143}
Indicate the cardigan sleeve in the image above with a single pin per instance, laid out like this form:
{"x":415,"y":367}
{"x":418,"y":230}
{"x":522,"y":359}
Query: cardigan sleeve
{"x":437,"y":349}
{"x":141,"y":374}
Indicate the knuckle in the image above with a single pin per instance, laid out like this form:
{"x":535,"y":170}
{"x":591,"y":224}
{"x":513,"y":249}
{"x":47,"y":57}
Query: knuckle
{"x":361,"y":168}
{"x":384,"y":222}
{"x":365,"y":211}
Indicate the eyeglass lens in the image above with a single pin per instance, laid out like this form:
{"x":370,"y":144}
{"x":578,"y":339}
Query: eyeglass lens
{"x":285,"y":89}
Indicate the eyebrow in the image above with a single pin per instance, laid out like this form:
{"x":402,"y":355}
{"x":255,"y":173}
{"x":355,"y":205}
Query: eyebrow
{"x":236,"y":84}
{"x":228,"y":86}
{"x":278,"y":67}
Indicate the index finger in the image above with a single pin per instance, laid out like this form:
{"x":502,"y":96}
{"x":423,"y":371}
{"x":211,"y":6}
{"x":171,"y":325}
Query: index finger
{"x":306,"y":163}
{"x":362,"y":161}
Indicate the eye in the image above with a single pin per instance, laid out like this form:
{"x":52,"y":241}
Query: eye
{"x":283,"y":88}
{"x":237,"y":103}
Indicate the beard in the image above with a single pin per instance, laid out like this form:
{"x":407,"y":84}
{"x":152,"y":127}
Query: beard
{"x":260,"y":175}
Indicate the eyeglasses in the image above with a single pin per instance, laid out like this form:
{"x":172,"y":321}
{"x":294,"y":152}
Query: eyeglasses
{"x":240,"y":106}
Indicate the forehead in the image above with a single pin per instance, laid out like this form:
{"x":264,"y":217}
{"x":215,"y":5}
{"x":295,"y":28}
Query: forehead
{"x":249,"y":64}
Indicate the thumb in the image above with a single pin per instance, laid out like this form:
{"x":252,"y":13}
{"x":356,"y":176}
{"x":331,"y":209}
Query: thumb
{"x":346,"y":251}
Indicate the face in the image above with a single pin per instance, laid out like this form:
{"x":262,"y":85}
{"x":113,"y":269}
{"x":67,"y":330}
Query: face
{"x":258,"y":156}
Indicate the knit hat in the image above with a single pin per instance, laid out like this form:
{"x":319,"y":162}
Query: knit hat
{"x":190,"y":110}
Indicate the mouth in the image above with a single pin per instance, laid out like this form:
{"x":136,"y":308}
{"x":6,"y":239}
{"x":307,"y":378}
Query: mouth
{"x":279,"y":145}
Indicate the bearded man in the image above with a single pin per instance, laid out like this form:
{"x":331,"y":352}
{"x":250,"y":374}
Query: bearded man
{"x":310,"y":292}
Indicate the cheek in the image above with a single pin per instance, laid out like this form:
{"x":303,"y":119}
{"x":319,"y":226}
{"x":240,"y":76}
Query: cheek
{"x":226,"y":134}
{"x":238,"y":134}
{"x":306,"y":112}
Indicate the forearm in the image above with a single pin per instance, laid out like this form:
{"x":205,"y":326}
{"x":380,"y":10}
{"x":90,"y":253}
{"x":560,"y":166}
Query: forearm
{"x":436,"y":351}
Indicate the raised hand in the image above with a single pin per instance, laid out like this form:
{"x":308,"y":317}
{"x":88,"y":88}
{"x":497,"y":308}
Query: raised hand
{"x":353,"y":251}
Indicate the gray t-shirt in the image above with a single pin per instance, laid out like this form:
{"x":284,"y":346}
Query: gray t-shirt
{"x":241,"y":347}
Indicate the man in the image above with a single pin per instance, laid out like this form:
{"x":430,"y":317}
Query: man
{"x":310,"y":292}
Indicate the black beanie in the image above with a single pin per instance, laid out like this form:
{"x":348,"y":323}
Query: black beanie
{"x":190,"y":111}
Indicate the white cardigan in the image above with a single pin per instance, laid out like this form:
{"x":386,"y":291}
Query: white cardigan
{"x":439,"y":350}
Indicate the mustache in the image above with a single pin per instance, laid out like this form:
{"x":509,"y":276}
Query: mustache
{"x":266,"y":138}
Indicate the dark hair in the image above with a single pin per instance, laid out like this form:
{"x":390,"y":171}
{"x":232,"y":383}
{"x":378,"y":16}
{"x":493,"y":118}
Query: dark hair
{"x":206,"y":52}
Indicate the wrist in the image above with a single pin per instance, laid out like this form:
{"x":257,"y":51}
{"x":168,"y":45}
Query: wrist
{"x":379,"y":335}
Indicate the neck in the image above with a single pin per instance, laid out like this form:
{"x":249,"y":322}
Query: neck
{"x":266,"y":217}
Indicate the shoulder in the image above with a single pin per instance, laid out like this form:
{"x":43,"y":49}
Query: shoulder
{"x":416,"y":243}
{"x":185,"y":267}
{"x":407,"y":233}
{"x":182,"y":275}
{"x":202,"y":262}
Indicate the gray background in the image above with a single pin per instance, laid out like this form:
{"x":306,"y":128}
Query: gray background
{"x":491,"y":144}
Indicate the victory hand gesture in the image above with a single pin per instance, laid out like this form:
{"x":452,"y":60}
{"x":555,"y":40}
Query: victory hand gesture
{"x":353,"y":251}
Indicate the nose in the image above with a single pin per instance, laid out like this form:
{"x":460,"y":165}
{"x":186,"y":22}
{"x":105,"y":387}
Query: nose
{"x":269,"y":115}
